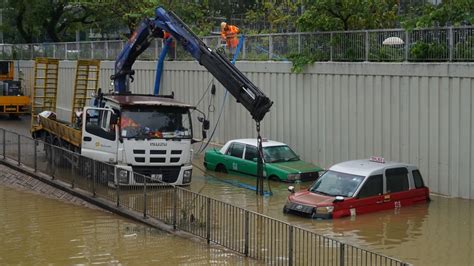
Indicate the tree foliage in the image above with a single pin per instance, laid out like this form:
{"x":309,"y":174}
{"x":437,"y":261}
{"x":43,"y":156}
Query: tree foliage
{"x":324,"y":15}
{"x":448,"y":13}
{"x":274,"y":15}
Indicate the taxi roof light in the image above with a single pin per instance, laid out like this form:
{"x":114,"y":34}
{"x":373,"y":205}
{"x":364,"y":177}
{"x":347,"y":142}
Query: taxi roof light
{"x":377,"y":159}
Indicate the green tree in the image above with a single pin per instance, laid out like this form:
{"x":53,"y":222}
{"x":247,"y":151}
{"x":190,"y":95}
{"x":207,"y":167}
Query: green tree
{"x":348,"y":15}
{"x":47,"y":19}
{"x":448,"y":13}
{"x":275,"y":15}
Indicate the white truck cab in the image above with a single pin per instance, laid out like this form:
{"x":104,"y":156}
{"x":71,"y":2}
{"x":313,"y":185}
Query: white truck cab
{"x":144,"y":134}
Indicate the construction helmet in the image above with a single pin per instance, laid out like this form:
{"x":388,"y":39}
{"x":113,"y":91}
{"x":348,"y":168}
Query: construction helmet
{"x":223,"y":24}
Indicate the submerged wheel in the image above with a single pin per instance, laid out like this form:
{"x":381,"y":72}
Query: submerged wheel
{"x":221,"y":168}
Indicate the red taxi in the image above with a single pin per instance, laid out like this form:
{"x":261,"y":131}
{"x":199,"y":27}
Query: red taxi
{"x":357,"y":187}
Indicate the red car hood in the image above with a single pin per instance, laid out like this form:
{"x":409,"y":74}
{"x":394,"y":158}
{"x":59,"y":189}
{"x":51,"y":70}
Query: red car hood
{"x":312,"y":199}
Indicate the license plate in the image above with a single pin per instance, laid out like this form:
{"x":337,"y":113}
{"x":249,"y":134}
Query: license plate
{"x":158,"y":177}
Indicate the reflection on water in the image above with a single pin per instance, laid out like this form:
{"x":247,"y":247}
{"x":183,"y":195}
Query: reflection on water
{"x":438,"y":233}
{"x":38,"y":230}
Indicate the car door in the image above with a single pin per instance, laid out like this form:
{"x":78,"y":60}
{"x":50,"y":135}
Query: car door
{"x":249,"y":165}
{"x":370,"y":197}
{"x":397,"y":187}
{"x":233,"y":157}
{"x":99,"y":135}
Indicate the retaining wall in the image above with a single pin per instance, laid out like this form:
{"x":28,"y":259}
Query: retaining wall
{"x":416,"y":113}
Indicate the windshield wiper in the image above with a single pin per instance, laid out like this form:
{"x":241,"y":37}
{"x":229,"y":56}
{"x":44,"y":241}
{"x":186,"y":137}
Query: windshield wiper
{"x":322,"y":193}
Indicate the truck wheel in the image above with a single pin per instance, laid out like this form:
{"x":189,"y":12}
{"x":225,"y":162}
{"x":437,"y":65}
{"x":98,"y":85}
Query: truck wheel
{"x":221,"y":168}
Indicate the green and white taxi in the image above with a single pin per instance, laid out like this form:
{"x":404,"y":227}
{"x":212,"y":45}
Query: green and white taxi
{"x":281,"y":162}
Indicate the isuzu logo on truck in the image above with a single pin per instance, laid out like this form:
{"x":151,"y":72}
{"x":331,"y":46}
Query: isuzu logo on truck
{"x":158,"y":144}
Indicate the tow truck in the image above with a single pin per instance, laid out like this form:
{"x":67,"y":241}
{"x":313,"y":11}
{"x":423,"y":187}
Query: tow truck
{"x":148,"y":134}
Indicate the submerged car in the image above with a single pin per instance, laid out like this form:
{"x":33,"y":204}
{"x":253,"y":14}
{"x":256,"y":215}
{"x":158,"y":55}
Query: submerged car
{"x":357,"y":187}
{"x":281,"y":162}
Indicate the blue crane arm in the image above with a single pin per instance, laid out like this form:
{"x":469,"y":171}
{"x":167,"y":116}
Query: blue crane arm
{"x":216,"y":62}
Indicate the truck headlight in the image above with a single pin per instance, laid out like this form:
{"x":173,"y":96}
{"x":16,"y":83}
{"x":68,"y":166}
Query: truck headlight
{"x":324,"y":210}
{"x":293,"y":177}
{"x":187,"y":174}
{"x":123,"y":176}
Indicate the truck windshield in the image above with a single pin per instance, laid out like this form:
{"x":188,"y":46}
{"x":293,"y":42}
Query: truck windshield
{"x":157,"y":122}
{"x":334,"y":183}
{"x":279,"y":154}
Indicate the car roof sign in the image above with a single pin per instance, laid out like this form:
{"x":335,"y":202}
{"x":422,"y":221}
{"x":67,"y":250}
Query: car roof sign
{"x":377,"y":159}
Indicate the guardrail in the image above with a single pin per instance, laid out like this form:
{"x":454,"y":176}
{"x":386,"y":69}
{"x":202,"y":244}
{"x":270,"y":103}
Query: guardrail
{"x":246,"y":232}
{"x":391,"y":45}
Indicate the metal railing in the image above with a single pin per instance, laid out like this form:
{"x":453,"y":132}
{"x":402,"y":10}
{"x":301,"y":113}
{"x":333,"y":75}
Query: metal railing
{"x":246,"y":232}
{"x":432,"y":44}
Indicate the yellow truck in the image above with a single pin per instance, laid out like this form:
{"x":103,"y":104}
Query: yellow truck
{"x":12,"y":100}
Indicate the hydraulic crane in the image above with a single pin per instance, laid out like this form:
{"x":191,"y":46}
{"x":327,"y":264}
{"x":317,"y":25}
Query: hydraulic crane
{"x":216,"y":62}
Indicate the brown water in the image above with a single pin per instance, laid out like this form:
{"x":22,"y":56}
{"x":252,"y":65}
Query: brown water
{"x":39,"y":231}
{"x":438,"y":233}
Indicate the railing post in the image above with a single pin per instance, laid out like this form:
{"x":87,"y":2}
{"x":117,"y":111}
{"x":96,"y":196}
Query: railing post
{"x":19,"y":150}
{"x":106,"y":44}
{"x":270,"y":47}
{"x":117,"y":186}
{"x":407,"y":45}
{"x":4,"y":143}
{"x":175,"y":205}
{"x":331,"y":46}
{"x":53,"y":153}
{"x":244,"y":49}
{"x":247,"y":233}
{"x":65,"y":51}
{"x":290,"y":245}
{"x":144,"y":197}
{"x":73,"y":174}
{"x":451,"y":43}
{"x":94,"y":173}
{"x":54,"y":50}
{"x":157,"y":53}
{"x":367,"y":46}
{"x":92,"y":50}
{"x":342,"y":252}
{"x":35,"y":158}
{"x":299,"y":43}
{"x":208,"y":221}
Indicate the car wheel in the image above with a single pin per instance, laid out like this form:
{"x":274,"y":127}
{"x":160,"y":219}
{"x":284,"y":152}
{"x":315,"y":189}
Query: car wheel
{"x":274,"y":178}
{"x":313,"y":214}
{"x":221,"y":168}
{"x":286,"y":210}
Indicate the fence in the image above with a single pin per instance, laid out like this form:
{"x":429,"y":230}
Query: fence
{"x":246,"y":232}
{"x":434,"y":44}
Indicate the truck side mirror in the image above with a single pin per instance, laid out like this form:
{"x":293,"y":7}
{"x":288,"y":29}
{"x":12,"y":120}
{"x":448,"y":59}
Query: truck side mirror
{"x":205,"y":124}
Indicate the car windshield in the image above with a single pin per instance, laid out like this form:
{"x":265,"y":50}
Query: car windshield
{"x":157,"y":122}
{"x":334,"y":183}
{"x":279,"y":154}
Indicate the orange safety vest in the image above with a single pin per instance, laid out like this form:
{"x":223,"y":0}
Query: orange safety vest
{"x":167,"y":35}
{"x":229,"y":34}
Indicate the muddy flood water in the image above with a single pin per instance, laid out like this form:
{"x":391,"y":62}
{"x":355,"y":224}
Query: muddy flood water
{"x":40,"y":231}
{"x":36,"y":230}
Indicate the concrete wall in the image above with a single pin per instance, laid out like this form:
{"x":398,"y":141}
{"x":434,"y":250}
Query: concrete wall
{"x":416,"y":113}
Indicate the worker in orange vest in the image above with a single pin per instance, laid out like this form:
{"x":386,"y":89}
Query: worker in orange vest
{"x":229,"y":34}
{"x":171,"y":45}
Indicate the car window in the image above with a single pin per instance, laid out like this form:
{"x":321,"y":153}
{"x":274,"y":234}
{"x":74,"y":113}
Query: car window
{"x":250,"y":152}
{"x":397,"y":179}
{"x":236,"y":150}
{"x":418,"y":179}
{"x":372,"y":187}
